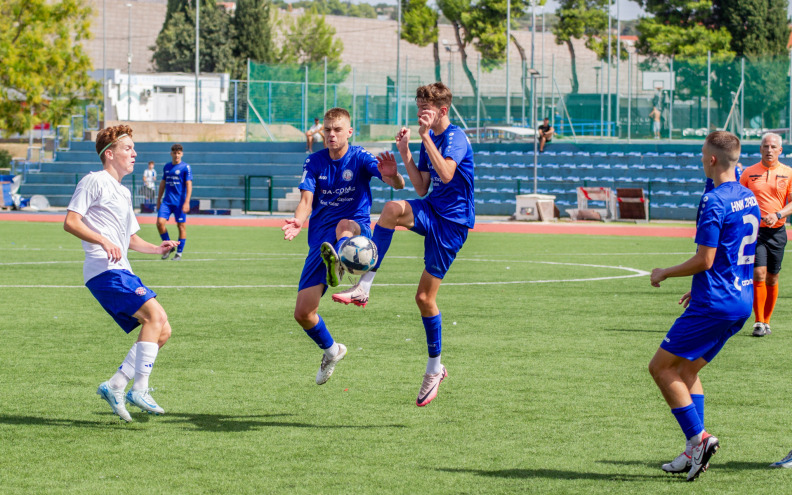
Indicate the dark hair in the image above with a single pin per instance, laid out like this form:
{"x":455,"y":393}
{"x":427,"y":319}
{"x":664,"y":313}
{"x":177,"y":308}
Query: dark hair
{"x":724,"y":144}
{"x":337,"y":113}
{"x":436,"y":93}
{"x":177,"y":147}
{"x":107,"y":137}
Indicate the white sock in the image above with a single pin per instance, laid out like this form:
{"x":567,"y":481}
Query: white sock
{"x":433,"y":366}
{"x":332,"y":351}
{"x":126,"y":371}
{"x":696,"y":439}
{"x":146,"y":354}
{"x":366,"y":280}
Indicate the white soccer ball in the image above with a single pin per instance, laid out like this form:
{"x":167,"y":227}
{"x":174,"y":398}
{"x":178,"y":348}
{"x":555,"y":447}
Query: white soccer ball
{"x":358,"y":254}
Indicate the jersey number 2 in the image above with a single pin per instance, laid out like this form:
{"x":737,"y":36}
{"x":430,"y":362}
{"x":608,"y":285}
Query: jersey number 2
{"x":742,"y":258}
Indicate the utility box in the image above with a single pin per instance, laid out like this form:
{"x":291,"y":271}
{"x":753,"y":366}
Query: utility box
{"x":537,"y":207}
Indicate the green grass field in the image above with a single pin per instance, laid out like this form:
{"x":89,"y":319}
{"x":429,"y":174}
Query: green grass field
{"x":546,"y":351}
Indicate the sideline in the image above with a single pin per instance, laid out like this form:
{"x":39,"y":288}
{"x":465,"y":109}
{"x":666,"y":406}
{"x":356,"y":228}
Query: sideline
{"x":514,"y":227}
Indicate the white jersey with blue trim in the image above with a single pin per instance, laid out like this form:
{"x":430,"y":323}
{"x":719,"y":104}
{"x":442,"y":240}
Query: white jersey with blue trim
{"x":106,"y":208}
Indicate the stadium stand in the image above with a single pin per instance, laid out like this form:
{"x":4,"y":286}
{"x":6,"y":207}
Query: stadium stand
{"x":668,"y":174}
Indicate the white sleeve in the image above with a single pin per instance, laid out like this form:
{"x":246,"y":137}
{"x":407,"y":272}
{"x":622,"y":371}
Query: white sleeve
{"x":83,"y":197}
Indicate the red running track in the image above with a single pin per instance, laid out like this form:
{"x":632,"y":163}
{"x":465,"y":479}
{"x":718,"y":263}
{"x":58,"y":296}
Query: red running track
{"x":578,"y":228}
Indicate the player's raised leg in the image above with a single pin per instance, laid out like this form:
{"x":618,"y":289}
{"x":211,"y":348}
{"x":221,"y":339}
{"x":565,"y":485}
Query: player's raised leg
{"x":329,"y":252}
{"x":394,"y":214}
{"x":305,"y":313}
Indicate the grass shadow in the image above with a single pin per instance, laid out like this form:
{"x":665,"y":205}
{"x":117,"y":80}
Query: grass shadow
{"x":229,"y":423}
{"x":726,"y":466}
{"x":12,"y":420}
{"x":559,"y":474}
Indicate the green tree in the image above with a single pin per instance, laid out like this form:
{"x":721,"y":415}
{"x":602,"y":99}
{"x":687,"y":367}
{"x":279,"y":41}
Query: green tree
{"x":175,"y":46}
{"x":757,"y":27}
{"x":586,"y":20}
{"x":759,"y":32}
{"x":309,"y":39}
{"x":253,"y":29}
{"x":43,"y":66}
{"x":419,"y":27}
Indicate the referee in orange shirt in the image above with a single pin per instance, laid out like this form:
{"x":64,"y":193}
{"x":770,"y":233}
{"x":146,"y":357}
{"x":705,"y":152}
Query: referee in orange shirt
{"x":771,"y":183}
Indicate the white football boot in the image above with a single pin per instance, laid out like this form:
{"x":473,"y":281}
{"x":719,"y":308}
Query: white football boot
{"x":328,"y":365}
{"x":114,"y":397}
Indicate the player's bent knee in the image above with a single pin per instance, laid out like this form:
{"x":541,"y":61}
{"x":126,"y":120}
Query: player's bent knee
{"x":424,"y":300}
{"x":165,"y":334}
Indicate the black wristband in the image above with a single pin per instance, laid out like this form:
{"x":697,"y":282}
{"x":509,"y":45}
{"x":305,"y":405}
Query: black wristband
{"x":779,"y":215}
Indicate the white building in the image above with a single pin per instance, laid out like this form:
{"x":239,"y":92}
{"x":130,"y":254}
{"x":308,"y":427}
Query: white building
{"x":165,"y":96}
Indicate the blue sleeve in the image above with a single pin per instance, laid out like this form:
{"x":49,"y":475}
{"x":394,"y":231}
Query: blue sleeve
{"x":423,"y":159}
{"x":710,"y":224}
{"x":308,"y":179}
{"x":370,"y":163}
{"x":457,"y":146}
{"x":189,"y":173}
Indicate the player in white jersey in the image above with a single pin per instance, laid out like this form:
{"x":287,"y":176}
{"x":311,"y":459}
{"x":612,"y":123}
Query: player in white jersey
{"x":100,"y":213}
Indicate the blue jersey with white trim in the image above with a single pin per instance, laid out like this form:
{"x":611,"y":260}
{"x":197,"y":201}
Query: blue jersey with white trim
{"x":341,"y":189}
{"x":176,"y":177}
{"x":454,"y":200}
{"x":729,"y":222}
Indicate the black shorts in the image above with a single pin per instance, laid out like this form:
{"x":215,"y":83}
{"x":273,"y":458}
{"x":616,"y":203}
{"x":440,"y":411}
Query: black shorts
{"x":770,"y":248}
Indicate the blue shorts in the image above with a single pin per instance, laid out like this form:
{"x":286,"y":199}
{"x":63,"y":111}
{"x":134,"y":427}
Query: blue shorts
{"x":694,"y":336}
{"x":442,"y":238}
{"x":314,"y":271}
{"x":166,"y":210}
{"x":121,"y":294}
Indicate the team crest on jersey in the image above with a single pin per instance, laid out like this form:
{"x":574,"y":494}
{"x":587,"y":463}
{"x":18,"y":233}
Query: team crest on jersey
{"x":347,"y":175}
{"x":705,"y":198}
{"x":141,"y":291}
{"x":177,"y":172}
{"x":782,"y":183}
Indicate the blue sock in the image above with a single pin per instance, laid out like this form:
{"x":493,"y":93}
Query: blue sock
{"x":698,"y":401}
{"x":321,"y":335}
{"x":338,"y":244}
{"x":165,"y":236}
{"x":688,"y":420}
{"x":382,"y":238}
{"x":182,"y":242}
{"x":433,"y":326}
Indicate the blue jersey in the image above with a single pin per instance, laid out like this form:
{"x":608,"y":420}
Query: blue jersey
{"x":710,"y":185}
{"x":176,"y":177}
{"x":340,"y":189}
{"x":454,"y":200}
{"x":729,"y":222}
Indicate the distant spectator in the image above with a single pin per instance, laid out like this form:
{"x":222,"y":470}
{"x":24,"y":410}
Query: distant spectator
{"x":150,"y":183}
{"x":313,"y":134}
{"x":546,"y":133}
{"x":655,"y":115}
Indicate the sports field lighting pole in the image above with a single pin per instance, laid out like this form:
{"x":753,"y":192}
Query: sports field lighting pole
{"x":129,"y":65}
{"x":532,"y":70}
{"x":197,"y":54}
{"x":508,"y":42}
{"x":610,"y":61}
{"x":104,"y":61}
{"x":618,"y":62}
{"x":542,"y":66}
{"x":398,"y":63}
{"x":534,"y":74}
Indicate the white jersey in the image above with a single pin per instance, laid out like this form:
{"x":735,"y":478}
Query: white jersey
{"x":106,"y":208}
{"x":315,"y":130}
{"x":150,"y":178}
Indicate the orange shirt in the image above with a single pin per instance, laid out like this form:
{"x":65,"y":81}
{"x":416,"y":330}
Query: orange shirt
{"x":771,"y":186}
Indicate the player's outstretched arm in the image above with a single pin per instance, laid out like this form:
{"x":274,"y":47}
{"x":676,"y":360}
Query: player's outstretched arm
{"x":294,"y":225}
{"x":75,"y":226}
{"x":699,"y":262}
{"x":136,"y":243}
{"x":386,"y":164}
{"x":186,"y":205}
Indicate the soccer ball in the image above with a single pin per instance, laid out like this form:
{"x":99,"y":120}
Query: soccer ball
{"x":358,"y":254}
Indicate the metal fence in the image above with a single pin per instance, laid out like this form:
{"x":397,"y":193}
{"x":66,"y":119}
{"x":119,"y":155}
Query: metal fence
{"x":746,"y":96}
